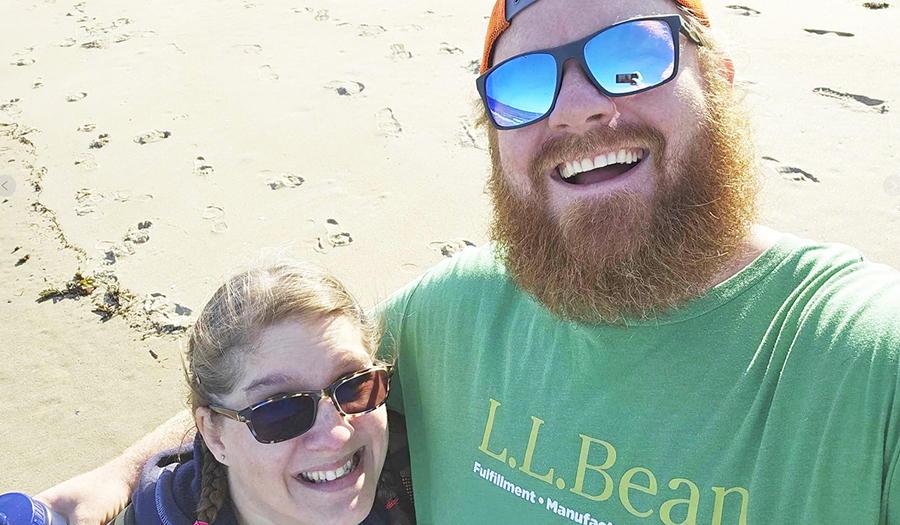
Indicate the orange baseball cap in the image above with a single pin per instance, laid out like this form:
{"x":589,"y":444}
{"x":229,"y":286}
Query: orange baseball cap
{"x":505,"y":10}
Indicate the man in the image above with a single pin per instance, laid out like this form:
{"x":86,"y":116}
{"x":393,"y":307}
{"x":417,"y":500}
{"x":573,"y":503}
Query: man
{"x":632,"y":348}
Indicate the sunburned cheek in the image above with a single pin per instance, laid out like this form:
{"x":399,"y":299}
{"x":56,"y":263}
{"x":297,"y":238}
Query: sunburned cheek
{"x":689,"y":91}
{"x":515,"y":170}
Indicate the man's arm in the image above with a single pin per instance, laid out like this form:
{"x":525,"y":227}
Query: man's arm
{"x":96,"y":497}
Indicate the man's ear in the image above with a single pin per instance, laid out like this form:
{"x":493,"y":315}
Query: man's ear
{"x":728,"y":69}
{"x":212,"y":434}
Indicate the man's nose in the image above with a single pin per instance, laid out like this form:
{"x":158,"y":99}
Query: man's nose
{"x":580,"y":106}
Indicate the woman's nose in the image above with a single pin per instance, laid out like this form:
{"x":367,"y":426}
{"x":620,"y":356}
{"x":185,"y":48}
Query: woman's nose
{"x":331,"y":430}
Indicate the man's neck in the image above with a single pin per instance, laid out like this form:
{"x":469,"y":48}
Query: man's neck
{"x":760,"y":240}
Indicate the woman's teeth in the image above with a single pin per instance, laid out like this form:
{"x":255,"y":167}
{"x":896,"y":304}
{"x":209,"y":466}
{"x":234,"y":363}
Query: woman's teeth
{"x":623,"y":156}
{"x":331,"y":475}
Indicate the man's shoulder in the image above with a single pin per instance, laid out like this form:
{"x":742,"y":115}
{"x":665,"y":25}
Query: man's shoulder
{"x":481,"y":262}
{"x":472,"y":268}
{"x":842,"y":270}
{"x":843,"y":292}
{"x":472,"y":281}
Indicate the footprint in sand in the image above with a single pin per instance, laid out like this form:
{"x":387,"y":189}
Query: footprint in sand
{"x":334,"y":237}
{"x":22,"y":61}
{"x":102,"y":140}
{"x":450,"y":248}
{"x":744,"y":10}
{"x":202,"y":168}
{"x":468,"y":136}
{"x":876,"y":5}
{"x":450,"y":50}
{"x":322,"y":15}
{"x":792,"y":173}
{"x":154,"y":135}
{"x":139,"y":234}
{"x":66,"y":42}
{"x":11,"y":107}
{"x":75,"y":97}
{"x":113,"y":251}
{"x":86,"y":200}
{"x":849,"y":99}
{"x":474,"y":67}
{"x":373,"y":30}
{"x":217,"y":216}
{"x":827,"y":31}
{"x":265,"y":73}
{"x":95,"y":44}
{"x":287,"y":180}
{"x":127,"y":196}
{"x":87,"y":127}
{"x":86,"y":160}
{"x":164,"y":315}
{"x":399,"y":52}
{"x":387,"y":123}
{"x":346,"y":88}
{"x":250,"y":49}
{"x":38,"y":82}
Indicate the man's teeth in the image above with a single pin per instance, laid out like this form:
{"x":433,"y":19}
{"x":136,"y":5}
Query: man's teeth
{"x":624,"y":156}
{"x":330,"y":475}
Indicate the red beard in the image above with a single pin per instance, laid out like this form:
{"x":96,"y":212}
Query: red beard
{"x":629,"y":257}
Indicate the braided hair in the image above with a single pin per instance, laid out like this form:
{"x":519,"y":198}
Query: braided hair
{"x":213,"y":487}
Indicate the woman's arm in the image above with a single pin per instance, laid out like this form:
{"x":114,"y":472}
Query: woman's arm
{"x":96,"y":497}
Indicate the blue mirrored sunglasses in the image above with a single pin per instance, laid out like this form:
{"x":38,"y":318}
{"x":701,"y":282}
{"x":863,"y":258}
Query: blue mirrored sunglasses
{"x":623,"y":59}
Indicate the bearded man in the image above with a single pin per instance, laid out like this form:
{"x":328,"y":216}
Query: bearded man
{"x":632,"y":347}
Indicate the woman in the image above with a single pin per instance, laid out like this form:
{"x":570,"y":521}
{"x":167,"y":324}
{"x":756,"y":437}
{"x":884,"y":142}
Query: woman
{"x":289,"y":405}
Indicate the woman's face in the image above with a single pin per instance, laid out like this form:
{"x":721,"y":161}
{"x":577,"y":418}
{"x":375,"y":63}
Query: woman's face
{"x":269,"y":483}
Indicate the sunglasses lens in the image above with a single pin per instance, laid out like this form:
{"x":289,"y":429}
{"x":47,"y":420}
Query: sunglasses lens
{"x":632,"y":56}
{"x":284,"y":419}
{"x":521,"y":90}
{"x":363,"y":393}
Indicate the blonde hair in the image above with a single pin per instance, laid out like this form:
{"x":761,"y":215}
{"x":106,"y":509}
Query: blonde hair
{"x":226,"y":332}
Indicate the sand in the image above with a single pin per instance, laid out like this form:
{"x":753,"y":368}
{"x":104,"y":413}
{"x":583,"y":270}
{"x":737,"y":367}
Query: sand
{"x":154,"y":144}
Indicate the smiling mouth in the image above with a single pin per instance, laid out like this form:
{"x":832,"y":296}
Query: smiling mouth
{"x":325,"y":476}
{"x":600,"y":168}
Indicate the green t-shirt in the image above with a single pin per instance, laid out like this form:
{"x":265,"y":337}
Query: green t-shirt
{"x":773,"y":399}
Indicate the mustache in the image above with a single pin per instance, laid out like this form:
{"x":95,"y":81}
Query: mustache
{"x":558,"y":150}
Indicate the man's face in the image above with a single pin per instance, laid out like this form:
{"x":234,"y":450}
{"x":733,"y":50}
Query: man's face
{"x":631,"y":240}
{"x":585,"y":123}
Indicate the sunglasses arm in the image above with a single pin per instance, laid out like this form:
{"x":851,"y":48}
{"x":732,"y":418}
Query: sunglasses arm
{"x":232,"y":414}
{"x":688,"y":30}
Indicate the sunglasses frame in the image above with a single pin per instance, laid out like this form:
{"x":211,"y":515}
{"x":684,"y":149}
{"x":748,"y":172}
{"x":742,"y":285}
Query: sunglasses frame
{"x":575,"y":50}
{"x":246,"y":415}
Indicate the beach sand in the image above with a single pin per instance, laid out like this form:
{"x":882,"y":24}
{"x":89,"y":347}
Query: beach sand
{"x":153,"y":145}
